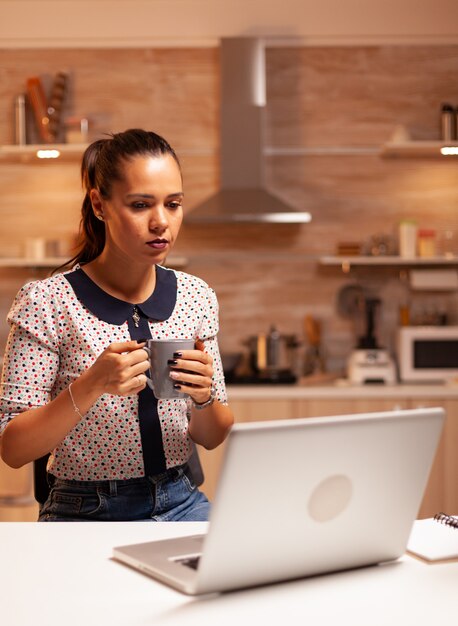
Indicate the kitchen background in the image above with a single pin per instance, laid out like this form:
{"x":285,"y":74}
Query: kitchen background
{"x":329,"y":111}
{"x":342,"y":78}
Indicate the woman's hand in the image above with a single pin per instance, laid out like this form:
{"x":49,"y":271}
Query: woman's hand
{"x":120,"y":369}
{"x":192,"y":372}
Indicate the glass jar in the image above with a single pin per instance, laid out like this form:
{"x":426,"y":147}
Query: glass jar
{"x":426,"y":242}
{"x":448,"y":244}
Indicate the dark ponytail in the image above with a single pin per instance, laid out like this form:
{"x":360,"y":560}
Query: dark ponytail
{"x":100,"y":167}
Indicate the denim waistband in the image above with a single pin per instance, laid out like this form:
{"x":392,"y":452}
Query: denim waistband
{"x":107,"y":485}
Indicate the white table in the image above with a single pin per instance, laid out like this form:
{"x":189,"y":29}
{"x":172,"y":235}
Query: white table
{"x":62,"y":574}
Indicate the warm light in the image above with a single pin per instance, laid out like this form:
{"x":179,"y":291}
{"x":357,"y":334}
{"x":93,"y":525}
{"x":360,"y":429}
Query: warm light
{"x":274,"y":217}
{"x":48,"y":154}
{"x":449,"y":150}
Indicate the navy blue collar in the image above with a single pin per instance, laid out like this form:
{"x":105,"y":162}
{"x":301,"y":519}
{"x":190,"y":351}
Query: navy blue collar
{"x":159,"y":306}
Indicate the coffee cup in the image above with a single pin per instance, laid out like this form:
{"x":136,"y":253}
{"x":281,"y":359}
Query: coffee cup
{"x":160,"y":351}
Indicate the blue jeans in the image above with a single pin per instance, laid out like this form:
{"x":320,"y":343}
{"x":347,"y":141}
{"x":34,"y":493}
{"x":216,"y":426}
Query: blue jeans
{"x":168,"y":497}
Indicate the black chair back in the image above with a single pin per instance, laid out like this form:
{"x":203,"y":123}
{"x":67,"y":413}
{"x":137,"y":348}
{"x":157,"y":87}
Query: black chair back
{"x":40,"y":479}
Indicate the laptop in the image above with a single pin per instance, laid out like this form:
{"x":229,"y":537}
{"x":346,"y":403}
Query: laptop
{"x":301,"y":497}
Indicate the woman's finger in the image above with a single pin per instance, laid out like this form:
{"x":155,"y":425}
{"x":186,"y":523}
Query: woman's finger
{"x":137,"y":383}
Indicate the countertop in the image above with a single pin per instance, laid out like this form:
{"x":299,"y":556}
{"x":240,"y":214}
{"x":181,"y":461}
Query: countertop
{"x":55,"y":574}
{"x":341,"y":388}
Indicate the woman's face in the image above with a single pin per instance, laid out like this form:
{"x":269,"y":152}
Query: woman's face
{"x":144,"y":213}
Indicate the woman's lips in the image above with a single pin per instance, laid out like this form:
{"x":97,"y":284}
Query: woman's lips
{"x":158,"y":244}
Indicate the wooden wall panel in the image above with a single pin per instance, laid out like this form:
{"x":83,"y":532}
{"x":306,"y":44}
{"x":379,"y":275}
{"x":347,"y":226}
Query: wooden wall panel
{"x":355,"y":96}
{"x":172,"y":91}
{"x":334,"y":98}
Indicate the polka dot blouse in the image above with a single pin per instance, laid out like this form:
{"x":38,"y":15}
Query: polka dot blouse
{"x":60,"y":325}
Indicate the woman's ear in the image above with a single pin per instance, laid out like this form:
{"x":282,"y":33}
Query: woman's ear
{"x":97,"y":203}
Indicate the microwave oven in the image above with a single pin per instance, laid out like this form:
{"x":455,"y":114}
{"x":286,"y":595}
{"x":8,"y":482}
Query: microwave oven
{"x":427,"y":353}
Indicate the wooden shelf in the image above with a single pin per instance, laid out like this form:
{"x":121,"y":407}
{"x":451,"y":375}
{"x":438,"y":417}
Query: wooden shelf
{"x":346,"y":261}
{"x":391,"y":149}
{"x":29,"y":153}
{"x":51,"y":262}
{"x":417,"y":149}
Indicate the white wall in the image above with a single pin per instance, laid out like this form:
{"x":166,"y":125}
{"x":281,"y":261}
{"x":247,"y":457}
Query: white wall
{"x":107,"y":23}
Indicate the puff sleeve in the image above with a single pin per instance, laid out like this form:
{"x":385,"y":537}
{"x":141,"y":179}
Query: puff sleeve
{"x":31,"y":359}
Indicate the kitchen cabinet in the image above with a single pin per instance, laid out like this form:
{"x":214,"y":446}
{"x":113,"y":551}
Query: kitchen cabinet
{"x":15,"y":484}
{"x":16,"y":494}
{"x":441,"y":492}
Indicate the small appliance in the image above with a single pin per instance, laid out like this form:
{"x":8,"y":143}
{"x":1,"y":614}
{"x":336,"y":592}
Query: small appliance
{"x":368,"y":363}
{"x":371,"y":366}
{"x":427,"y":353}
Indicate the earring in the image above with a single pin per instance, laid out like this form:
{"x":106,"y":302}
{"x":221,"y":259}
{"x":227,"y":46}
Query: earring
{"x":99,"y":217}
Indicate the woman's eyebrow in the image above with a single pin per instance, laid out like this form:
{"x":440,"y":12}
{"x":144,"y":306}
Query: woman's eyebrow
{"x":178,"y":194}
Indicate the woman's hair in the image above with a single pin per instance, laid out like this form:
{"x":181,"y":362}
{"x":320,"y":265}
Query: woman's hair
{"x":102,"y":164}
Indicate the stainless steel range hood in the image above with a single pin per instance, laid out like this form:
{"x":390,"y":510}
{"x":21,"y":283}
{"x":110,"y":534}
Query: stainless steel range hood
{"x":243,"y":196}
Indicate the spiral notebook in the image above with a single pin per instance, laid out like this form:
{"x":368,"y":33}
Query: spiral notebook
{"x":435,"y":540}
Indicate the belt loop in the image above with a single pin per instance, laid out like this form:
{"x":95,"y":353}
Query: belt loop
{"x":113,"y":487}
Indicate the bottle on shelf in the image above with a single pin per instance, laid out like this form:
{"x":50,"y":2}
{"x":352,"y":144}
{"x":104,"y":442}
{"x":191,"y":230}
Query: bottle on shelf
{"x":404,"y":299}
{"x":427,"y":242}
{"x":20,"y":138}
{"x":448,"y":122}
{"x":408,"y":239}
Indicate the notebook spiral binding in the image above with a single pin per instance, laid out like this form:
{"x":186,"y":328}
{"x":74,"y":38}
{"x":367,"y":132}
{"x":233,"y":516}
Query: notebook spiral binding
{"x":448,"y":520}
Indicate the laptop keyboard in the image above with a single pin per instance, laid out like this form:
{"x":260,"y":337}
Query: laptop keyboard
{"x":192,"y":562}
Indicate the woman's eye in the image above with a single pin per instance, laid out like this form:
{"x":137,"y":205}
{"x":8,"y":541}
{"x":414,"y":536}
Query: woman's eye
{"x":174,"y":205}
{"x":139,"y":205}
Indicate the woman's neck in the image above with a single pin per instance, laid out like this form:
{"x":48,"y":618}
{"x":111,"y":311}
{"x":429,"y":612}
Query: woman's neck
{"x":128,"y":282}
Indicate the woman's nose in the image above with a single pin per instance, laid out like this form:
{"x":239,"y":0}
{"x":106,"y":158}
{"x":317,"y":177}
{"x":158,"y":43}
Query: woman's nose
{"x":158,"y":218}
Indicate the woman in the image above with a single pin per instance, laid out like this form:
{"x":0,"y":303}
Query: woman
{"x":74,"y":381}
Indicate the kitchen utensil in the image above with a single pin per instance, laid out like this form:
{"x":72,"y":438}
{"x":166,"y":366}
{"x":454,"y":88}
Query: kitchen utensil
{"x":56,"y":101}
{"x":272,"y":353}
{"x":37,"y":98}
{"x":313,"y":361}
{"x":312,"y":330}
{"x":350,"y":300}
